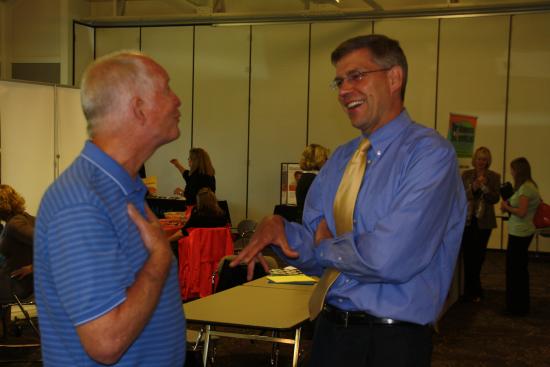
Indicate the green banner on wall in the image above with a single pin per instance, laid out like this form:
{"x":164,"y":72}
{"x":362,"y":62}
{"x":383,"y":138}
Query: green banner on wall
{"x":462,"y":132}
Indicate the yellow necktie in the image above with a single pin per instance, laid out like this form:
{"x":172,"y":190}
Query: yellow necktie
{"x":344,"y":205}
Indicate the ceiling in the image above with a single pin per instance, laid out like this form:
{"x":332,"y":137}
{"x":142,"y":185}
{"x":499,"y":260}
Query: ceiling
{"x":256,"y":6}
{"x":155,"y":11}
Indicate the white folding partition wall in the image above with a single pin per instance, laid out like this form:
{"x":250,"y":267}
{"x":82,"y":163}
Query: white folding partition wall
{"x":418,"y":38}
{"x":220,"y":113}
{"x":278,"y":109}
{"x":172,"y":47}
{"x":27,"y":126}
{"x":114,"y":39}
{"x":70,"y":127}
{"x":83,"y":50}
{"x":32,"y":152}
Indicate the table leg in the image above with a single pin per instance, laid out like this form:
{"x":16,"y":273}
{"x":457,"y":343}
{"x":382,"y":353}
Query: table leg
{"x":206,"y":345}
{"x":296,"y":347}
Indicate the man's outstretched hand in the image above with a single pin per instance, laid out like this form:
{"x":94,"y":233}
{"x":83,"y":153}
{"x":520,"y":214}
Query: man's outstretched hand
{"x":270,"y":231}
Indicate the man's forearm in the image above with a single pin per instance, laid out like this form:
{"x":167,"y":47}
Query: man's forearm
{"x":106,"y":338}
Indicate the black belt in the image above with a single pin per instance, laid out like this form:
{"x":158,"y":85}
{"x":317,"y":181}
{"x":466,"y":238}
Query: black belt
{"x":346,"y":318}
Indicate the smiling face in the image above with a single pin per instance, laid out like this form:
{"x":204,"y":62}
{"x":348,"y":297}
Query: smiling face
{"x":372,"y":100}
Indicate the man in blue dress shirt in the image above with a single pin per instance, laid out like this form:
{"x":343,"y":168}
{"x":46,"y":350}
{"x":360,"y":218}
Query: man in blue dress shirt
{"x":397,"y":263}
{"x":106,"y":282}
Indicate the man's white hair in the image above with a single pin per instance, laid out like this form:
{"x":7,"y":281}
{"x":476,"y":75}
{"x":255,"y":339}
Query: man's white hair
{"x":110,"y":82}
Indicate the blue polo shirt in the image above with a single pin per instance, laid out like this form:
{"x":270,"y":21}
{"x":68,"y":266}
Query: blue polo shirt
{"x":87,"y":252}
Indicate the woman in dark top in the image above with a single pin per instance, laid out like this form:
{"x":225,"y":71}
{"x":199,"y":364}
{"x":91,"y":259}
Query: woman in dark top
{"x":16,"y":248}
{"x":207,"y":214}
{"x":313,"y":158}
{"x":200,"y":174}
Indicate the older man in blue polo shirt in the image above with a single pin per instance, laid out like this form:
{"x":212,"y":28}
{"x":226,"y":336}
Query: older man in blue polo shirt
{"x":105,"y":279}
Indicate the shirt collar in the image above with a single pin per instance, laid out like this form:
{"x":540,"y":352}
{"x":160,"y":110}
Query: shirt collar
{"x":112,"y":169}
{"x":384,"y":136}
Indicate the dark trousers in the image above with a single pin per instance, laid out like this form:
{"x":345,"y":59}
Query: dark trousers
{"x":370,"y":345}
{"x":474,"y":247}
{"x":517,"y":275}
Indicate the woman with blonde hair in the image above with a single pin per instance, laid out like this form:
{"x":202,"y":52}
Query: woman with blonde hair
{"x":16,"y":247}
{"x":522,"y":206}
{"x":200,"y":174}
{"x":313,"y":158}
{"x":482,"y":191}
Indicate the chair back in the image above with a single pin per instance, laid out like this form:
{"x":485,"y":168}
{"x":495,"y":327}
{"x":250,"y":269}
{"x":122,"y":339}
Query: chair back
{"x":228,"y":277}
{"x":199,"y":255}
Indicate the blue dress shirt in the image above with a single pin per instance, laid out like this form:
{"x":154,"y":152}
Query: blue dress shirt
{"x":409,"y":217}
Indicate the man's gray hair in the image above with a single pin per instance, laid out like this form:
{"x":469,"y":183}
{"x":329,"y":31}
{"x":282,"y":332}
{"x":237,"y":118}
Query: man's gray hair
{"x":109,"y":82}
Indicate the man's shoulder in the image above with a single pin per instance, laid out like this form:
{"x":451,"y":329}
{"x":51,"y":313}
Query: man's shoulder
{"x":422,"y":137}
{"x":76,"y":185}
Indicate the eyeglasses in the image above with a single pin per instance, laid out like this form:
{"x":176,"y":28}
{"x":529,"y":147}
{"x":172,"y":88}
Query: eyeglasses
{"x":353,"y":77}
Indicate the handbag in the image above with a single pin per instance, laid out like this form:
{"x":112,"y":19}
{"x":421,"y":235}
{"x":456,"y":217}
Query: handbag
{"x":506,"y":190}
{"x":542,"y":215}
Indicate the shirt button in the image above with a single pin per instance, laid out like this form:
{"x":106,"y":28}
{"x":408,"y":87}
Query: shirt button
{"x":378,"y":153}
{"x":369,"y":161}
{"x":340,"y":300}
{"x":347,"y":281}
{"x":339,"y":258}
{"x":322,"y":254}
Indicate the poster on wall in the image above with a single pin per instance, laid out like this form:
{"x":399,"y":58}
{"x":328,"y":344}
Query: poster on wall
{"x":290,"y":174}
{"x":462,"y":132}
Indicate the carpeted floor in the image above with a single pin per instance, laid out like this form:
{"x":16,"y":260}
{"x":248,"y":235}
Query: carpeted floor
{"x":471,"y":334}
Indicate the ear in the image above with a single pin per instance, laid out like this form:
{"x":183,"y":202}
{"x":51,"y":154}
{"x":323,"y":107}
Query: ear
{"x":395,"y":79}
{"x":137,"y":109}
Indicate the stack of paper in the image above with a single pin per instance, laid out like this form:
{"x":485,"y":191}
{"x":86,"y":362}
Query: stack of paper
{"x":289,"y":275}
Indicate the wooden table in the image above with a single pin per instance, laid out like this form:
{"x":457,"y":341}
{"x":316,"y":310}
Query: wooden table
{"x":253,"y":306}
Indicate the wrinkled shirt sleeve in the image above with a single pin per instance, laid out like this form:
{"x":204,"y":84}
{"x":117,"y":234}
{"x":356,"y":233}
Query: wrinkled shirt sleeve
{"x":401,"y":243}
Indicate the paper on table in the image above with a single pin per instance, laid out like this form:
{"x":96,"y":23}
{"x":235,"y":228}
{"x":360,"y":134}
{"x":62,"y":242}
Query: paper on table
{"x":291,"y":279}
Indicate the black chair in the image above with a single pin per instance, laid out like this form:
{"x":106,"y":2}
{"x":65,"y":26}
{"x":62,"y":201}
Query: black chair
{"x":225,"y":207}
{"x":229,"y":277}
{"x":245,"y":230}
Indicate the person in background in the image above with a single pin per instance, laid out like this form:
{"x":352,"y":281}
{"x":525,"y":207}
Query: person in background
{"x":206,"y":214}
{"x":313,"y":158}
{"x":200,"y":174}
{"x":106,"y":281}
{"x":16,"y":248}
{"x":522,"y":206}
{"x":482,"y":191}
{"x":394,"y":265}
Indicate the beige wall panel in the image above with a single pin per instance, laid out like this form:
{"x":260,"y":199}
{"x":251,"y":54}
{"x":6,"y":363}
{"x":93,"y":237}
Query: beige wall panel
{"x":27,"y":139}
{"x":71,"y":126}
{"x":328,"y":124}
{"x":36,"y":32}
{"x":220,"y":118}
{"x":418,"y":39}
{"x":472,"y":81}
{"x":109,"y":40}
{"x":278,"y":109}
{"x":84,"y":50}
{"x":172,"y":47}
{"x":529,"y":110}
